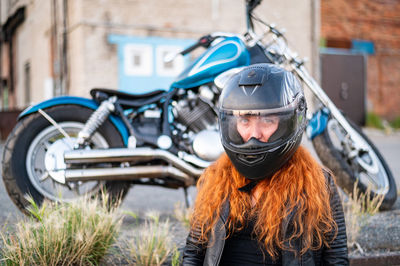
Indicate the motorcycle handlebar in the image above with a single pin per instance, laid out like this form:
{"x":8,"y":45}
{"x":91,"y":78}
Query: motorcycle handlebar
{"x":190,"y":48}
{"x":204,"y":41}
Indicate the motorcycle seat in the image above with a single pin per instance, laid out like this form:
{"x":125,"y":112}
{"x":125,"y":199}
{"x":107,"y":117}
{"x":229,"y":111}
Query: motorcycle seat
{"x":125,"y":95}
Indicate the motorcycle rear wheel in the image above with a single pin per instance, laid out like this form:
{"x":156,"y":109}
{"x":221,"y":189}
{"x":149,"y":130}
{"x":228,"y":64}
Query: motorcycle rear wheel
{"x":24,"y":157}
{"x":347,"y":172}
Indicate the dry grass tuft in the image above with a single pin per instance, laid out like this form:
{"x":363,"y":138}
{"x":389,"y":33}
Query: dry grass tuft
{"x":358,"y":207}
{"x":152,"y":243}
{"x":78,"y":233}
{"x":182,"y":214}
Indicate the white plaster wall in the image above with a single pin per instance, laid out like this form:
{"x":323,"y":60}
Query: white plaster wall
{"x":32,"y":44}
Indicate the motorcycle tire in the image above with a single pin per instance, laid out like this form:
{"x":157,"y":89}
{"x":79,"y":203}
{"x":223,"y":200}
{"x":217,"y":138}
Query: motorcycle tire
{"x":346,"y":177}
{"x":29,"y":142}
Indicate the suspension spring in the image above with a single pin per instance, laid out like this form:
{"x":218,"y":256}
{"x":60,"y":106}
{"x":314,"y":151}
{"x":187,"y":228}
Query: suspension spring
{"x":96,"y":120}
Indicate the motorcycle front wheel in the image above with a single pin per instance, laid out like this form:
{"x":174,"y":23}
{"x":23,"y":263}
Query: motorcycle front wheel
{"x":367,"y":169}
{"x":35,"y":144}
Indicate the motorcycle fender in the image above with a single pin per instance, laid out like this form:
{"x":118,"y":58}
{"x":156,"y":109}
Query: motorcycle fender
{"x":317,"y":123}
{"x":71,"y":100}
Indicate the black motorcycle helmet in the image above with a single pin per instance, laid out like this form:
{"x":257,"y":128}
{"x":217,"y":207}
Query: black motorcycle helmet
{"x":266,"y":95}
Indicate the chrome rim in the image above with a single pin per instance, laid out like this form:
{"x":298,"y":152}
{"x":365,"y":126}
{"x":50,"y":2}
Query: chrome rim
{"x":45,"y":166}
{"x":365,"y":164}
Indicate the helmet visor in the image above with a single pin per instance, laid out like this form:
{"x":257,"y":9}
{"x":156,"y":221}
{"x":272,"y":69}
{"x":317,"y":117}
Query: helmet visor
{"x":256,"y":131}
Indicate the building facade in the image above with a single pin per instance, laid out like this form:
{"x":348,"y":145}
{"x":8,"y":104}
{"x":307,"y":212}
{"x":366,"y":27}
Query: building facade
{"x":373,"y":25}
{"x":63,"y":47}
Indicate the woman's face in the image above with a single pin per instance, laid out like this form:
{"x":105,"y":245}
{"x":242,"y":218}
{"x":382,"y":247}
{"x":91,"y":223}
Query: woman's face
{"x":259,"y":127}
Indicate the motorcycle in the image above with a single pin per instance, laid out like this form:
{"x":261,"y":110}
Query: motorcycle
{"x":68,"y":146}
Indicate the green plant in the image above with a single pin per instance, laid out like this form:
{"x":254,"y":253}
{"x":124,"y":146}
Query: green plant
{"x":395,"y":123}
{"x":373,"y":120}
{"x":175,"y":258}
{"x":77,"y":233}
{"x":182,"y":214}
{"x":322,"y":42}
{"x":152,"y":242}
{"x":133,"y":215}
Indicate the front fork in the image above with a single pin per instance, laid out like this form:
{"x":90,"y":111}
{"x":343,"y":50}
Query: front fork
{"x":354,"y":146}
{"x":356,"y":140}
{"x":322,"y":120}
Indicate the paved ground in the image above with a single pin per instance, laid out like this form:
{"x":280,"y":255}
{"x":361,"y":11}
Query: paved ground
{"x":143,"y":198}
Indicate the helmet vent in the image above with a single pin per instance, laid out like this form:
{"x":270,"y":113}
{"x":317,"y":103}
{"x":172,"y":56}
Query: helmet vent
{"x":251,"y":159}
{"x":251,"y":78}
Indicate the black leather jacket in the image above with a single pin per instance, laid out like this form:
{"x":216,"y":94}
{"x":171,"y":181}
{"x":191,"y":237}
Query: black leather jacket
{"x":197,"y":254}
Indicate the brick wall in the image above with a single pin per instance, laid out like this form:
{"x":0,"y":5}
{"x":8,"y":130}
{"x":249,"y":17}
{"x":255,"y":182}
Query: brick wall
{"x":377,"y":21}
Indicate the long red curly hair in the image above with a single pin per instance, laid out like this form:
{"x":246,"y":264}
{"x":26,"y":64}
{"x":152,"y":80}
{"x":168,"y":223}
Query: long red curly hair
{"x":299,"y":187}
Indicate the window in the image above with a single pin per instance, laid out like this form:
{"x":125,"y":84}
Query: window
{"x":138,"y":60}
{"x":171,"y":68}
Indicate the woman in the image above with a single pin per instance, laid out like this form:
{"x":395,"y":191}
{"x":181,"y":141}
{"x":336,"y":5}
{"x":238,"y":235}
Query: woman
{"x":266,"y":201}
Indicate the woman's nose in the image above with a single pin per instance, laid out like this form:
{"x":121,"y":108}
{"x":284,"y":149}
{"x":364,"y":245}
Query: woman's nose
{"x":256,"y":132}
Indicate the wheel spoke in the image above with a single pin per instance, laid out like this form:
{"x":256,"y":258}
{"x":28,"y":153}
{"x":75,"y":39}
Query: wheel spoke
{"x":372,"y":180}
{"x":38,"y":170}
{"x":46,"y":145}
{"x":44,"y":176}
{"x":54,"y":184}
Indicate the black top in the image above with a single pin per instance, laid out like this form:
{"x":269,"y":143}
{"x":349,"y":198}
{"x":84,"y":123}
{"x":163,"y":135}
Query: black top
{"x":243,"y":248}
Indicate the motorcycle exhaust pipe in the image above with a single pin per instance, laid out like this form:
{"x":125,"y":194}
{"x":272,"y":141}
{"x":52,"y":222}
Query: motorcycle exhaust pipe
{"x":127,"y":173}
{"x":129,"y":155}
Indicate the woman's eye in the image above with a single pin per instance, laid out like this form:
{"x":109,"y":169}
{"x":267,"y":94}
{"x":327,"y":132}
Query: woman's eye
{"x":243,"y":120}
{"x":267,"y":120}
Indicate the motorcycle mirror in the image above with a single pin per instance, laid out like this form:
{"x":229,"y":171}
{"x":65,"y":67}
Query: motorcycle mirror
{"x":169,"y":57}
{"x":250,"y":6}
{"x":253,"y":3}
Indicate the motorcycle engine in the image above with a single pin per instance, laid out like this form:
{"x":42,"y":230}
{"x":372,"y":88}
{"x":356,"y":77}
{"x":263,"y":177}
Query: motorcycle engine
{"x":196,"y":115}
{"x":198,"y":120}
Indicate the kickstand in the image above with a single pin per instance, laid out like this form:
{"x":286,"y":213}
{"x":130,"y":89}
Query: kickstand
{"x":188,"y":200}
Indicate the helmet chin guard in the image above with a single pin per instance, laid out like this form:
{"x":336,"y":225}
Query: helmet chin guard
{"x":263,"y":165}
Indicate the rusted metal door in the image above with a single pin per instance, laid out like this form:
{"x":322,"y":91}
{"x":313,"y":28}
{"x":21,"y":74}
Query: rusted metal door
{"x":8,"y":119}
{"x":343,"y":77}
